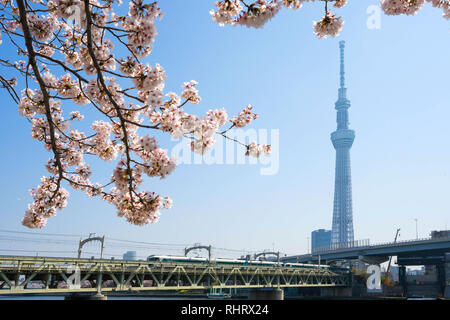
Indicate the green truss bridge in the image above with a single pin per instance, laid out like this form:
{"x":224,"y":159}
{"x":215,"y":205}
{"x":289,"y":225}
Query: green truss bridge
{"x":49,"y":275}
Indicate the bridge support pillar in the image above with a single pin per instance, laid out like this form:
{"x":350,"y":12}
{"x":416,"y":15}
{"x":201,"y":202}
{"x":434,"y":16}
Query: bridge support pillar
{"x":402,"y":280}
{"x":77,"y":296}
{"x":260,"y":294}
{"x":447,"y":276}
{"x":441,"y":279}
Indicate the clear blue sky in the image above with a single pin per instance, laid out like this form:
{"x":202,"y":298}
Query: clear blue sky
{"x":398,"y":84}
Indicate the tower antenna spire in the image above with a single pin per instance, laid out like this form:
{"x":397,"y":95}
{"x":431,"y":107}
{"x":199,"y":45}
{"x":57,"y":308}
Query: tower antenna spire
{"x":342,"y":47}
{"x":342,"y":89}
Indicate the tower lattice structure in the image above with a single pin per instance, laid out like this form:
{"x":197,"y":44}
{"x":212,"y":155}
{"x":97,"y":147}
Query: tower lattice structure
{"x":342,"y":138}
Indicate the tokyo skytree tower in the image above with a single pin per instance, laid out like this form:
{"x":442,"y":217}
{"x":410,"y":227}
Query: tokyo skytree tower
{"x":342,"y":138}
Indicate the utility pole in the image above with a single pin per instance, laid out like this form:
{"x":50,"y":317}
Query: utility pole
{"x":417,"y":234}
{"x":307,"y":250}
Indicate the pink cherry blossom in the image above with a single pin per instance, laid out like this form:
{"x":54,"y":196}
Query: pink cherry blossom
{"x":89,"y":94}
{"x":330,"y":25}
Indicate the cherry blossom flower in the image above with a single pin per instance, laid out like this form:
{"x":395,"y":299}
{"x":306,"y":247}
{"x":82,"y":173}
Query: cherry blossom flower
{"x":244,"y":117}
{"x":256,"y":150}
{"x":330,"y":25}
{"x":97,"y":62}
{"x":395,"y":7}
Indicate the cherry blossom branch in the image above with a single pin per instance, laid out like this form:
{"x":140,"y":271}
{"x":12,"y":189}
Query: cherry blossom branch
{"x":111,"y":99}
{"x":259,"y":12}
{"x":32,"y":61}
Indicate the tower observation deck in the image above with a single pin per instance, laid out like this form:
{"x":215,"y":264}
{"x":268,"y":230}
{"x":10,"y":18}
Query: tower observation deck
{"x":342,"y":139}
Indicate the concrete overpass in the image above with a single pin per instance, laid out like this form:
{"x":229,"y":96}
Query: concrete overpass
{"x":409,"y":253}
{"x":422,"y":249}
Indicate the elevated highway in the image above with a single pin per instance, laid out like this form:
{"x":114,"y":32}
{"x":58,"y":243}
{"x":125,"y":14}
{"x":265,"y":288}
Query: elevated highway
{"x":421,"y":250}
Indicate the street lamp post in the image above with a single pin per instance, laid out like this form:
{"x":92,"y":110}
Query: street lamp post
{"x":308,"y":244}
{"x":417,"y":235}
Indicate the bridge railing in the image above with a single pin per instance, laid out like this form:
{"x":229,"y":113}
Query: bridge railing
{"x":366,"y":243}
{"x":411,"y":241}
{"x":345,"y":245}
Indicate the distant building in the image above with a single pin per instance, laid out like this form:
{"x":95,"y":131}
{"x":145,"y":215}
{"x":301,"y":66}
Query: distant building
{"x":361,"y":266}
{"x":320,"y":238}
{"x":393,"y":273}
{"x":130,"y":255}
{"x":416,"y":272}
{"x":272,"y":258}
{"x":440,"y":234}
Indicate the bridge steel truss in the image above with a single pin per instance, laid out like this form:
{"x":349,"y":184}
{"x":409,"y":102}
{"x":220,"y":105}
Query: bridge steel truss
{"x":54,"y":274}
